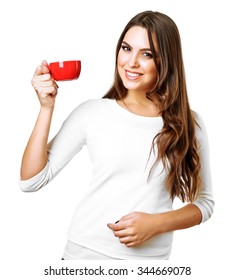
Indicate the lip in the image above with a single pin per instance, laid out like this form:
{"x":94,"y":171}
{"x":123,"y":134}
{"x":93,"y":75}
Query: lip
{"x":133,"y":75}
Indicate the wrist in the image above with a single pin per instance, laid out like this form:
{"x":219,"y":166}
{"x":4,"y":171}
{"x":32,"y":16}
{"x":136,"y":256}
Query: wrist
{"x":181,"y":218}
{"x":47,"y":109}
{"x":160,"y":223}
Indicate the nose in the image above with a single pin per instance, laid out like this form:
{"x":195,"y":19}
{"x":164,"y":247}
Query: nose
{"x":133,"y":61}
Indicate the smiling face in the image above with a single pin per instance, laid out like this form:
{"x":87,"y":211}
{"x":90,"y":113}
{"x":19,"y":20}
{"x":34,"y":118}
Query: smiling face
{"x":135,"y":62}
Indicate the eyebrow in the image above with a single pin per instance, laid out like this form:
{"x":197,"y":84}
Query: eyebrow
{"x":144,"y":49}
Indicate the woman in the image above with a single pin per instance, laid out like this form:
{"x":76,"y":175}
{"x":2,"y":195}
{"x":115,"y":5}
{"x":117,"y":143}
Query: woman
{"x":146,"y":145}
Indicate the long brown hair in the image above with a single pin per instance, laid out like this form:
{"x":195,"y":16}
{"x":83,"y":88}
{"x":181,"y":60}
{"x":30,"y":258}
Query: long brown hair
{"x":177,"y":146}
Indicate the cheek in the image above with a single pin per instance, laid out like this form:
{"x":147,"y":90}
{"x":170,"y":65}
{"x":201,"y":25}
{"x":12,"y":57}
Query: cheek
{"x":120,"y":65}
{"x":119,"y":69}
{"x":121,"y":61}
{"x":152,"y":71}
{"x":151,"y":77}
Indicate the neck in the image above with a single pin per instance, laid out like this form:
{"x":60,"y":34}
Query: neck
{"x":139,"y":104}
{"x":136,"y":98}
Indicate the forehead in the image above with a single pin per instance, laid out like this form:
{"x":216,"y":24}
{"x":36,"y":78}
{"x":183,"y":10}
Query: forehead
{"x":137,"y":37}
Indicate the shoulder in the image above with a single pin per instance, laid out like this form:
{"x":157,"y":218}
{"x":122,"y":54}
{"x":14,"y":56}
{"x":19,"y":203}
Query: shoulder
{"x":93,"y":104}
{"x":91,"y":107}
{"x":201,"y":132}
{"x":99,"y":103}
{"x":200,"y":124}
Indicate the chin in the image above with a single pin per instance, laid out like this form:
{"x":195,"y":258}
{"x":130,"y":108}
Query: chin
{"x":131,"y":86}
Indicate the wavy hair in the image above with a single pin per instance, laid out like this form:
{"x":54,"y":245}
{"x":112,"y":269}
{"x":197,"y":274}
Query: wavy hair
{"x":176,"y":144}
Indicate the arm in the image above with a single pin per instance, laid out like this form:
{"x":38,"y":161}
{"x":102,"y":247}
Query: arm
{"x":35,"y":155}
{"x":136,"y":228}
{"x":60,"y":150}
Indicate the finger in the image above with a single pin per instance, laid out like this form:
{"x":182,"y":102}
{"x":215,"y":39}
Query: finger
{"x":116,"y":227}
{"x":47,"y":84}
{"x":131,"y":244}
{"x":125,"y":240}
{"x":38,"y":71}
{"x":45,"y":69}
{"x":121,"y":233}
{"x":42,"y":69}
{"x":112,"y":226}
{"x":44,"y":92}
{"x":42,"y":78}
{"x":44,"y":62}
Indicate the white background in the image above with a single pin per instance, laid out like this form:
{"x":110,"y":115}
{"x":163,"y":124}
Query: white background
{"x":34,"y":226}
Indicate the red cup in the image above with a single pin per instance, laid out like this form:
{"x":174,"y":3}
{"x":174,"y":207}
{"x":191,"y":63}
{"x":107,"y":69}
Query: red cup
{"x":65,"y":70}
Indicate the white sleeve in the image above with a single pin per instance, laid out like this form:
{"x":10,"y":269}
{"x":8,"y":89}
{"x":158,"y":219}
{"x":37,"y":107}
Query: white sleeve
{"x":205,"y":201}
{"x":61,"y":149}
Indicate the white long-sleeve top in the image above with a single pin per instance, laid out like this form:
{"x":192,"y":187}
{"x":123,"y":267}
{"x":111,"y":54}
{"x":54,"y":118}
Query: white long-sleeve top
{"x":118,"y":143}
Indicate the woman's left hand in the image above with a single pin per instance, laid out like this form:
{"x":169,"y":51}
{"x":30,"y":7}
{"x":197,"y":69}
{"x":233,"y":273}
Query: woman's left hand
{"x":136,"y":228}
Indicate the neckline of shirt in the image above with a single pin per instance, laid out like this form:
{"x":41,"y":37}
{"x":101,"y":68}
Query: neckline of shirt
{"x":131,"y":115}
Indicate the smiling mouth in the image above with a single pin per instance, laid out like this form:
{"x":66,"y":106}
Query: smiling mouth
{"x":132,"y":75}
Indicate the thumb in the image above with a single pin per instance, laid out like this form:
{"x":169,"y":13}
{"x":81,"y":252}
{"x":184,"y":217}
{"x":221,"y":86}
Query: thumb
{"x":42,"y":69}
{"x":44,"y":62}
{"x":45,"y":67}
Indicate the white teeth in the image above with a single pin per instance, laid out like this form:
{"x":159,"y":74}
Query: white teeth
{"x":132,"y":74}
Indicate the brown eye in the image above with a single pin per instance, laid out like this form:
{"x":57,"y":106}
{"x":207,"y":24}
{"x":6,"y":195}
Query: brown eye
{"x":147,"y":54}
{"x":125,"y":48}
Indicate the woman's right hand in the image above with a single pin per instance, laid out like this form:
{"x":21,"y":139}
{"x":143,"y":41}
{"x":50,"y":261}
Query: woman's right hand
{"x":44,"y":85}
